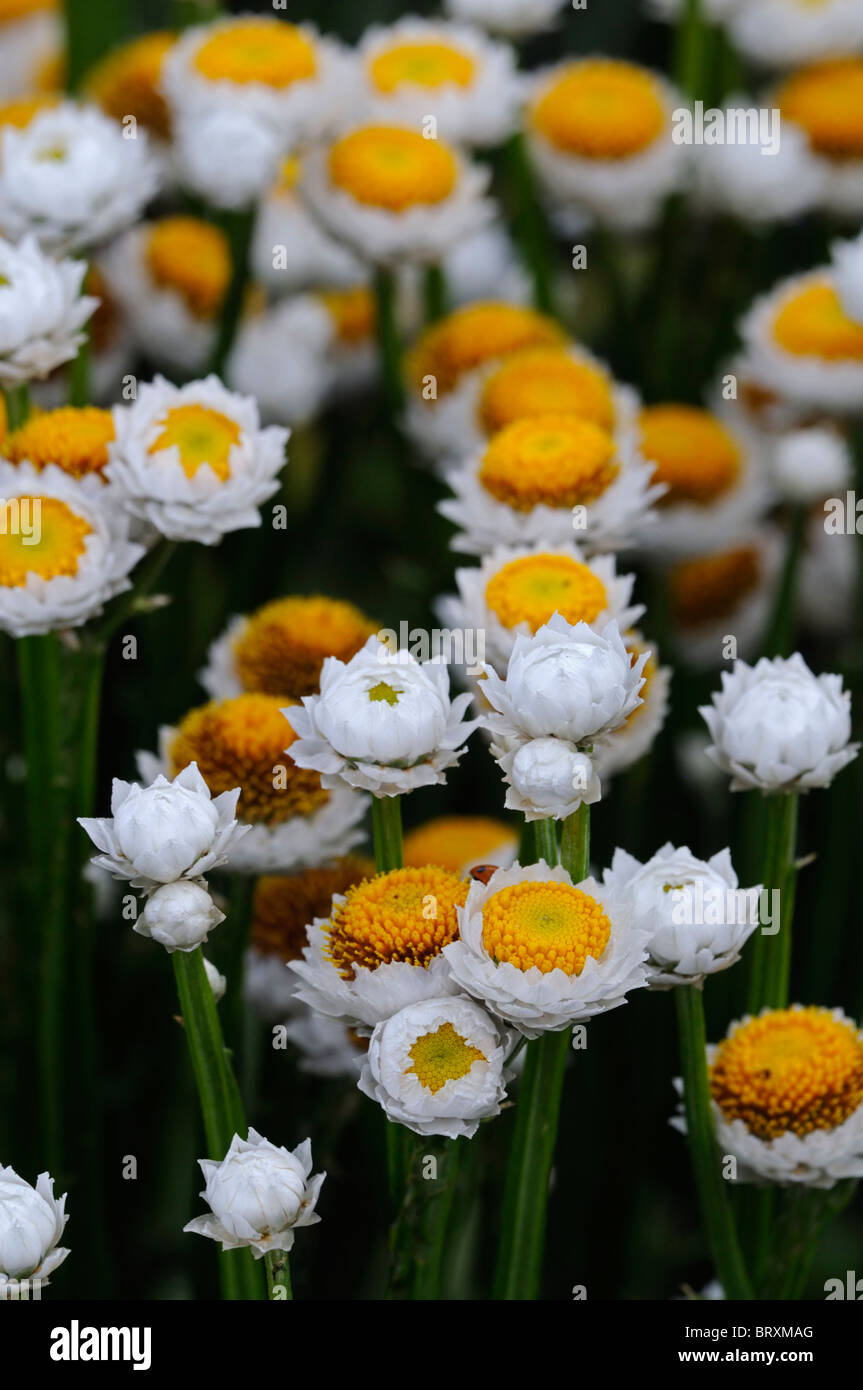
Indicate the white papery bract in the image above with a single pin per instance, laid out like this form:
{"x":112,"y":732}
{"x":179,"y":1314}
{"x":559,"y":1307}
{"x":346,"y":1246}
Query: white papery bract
{"x":848,"y":275}
{"x":697,"y":917}
{"x":788,"y":33}
{"x":811,"y":464}
{"x":280,"y":358}
{"x":217,"y":982}
{"x":740,"y":179}
{"x":165,"y":831}
{"x":326,"y":1047}
{"x":226,"y":156}
{"x":513,"y":18}
{"x":179,"y":916}
{"x":32,"y":1221}
{"x":547,"y":777}
{"x":438,"y":1067}
{"x":258,"y":1195}
{"x":70,"y":178}
{"x":383,"y":722}
{"x":291,"y":250}
{"x":198,"y":505}
{"x":777,"y":727}
{"x":30,"y":45}
{"x":42,"y":311}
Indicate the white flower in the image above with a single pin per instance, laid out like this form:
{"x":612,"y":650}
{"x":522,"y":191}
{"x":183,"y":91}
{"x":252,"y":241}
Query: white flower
{"x":731,"y":591}
{"x":166,"y":831}
{"x":514,"y":18}
{"x":811,"y":464}
{"x":437,"y":1067}
{"x":291,"y":250}
{"x":829,"y":580}
{"x":789,"y":33}
{"x":630,"y":742}
{"x":217,"y":982}
{"x":269,"y":988}
{"x":848,"y":275}
{"x":566,"y":681}
{"x":697,"y":917}
{"x":227,"y":157}
{"x":327,"y":1047}
{"x":71,"y":179}
{"x":32,"y":1220}
{"x":64,"y":549}
{"x":486,"y":266}
{"x":738,"y":178}
{"x":42,"y":311}
{"x":30,"y":45}
{"x":280,"y":358}
{"x":547,"y":777}
{"x":544,"y":953}
{"x":416,"y":68}
{"x":179,"y":915}
{"x":776,"y":727}
{"x":193,"y":460}
{"x":426,"y":195}
{"x":258,"y":1195}
{"x":383,"y":722}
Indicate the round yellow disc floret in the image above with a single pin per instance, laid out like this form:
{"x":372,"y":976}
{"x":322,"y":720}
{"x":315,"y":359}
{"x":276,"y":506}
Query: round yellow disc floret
{"x":695,"y":455}
{"x":283,"y":646}
{"x":790,"y":1070}
{"x":453,"y":841}
{"x":551,"y":926}
{"x":267,"y":51}
{"x":241,"y":743}
{"x":62,"y":536}
{"x":21,"y":112}
{"x":549,"y":460}
{"x":601,"y":109}
{"x":193,"y":258}
{"x":812,"y":323}
{"x":713,"y":586}
{"x":73,"y":438}
{"x":353,"y":312}
{"x":540,"y":380}
{"x":126,"y":82}
{"x":405,"y":915}
{"x":389,"y":167}
{"x":285,"y":904}
{"x":530,"y":590}
{"x":201,"y":435}
{"x":827,"y":101}
{"x":441,"y":1056}
{"x":473,"y":335}
{"x":421,"y":65}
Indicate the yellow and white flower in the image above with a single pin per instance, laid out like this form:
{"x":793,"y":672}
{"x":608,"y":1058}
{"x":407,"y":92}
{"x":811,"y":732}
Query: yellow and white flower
{"x":127,"y":82}
{"x":74,"y":439}
{"x":438,"y":1067}
{"x":599,"y":133}
{"x":460,"y":843}
{"x":64,"y":549}
{"x":394,"y":196}
{"x":788,"y":33}
{"x":193,"y":460}
{"x":420,"y":68}
{"x":71,"y":180}
{"x":826,"y":101}
{"x":31,"y":47}
{"x":290,"y":249}
{"x":725,"y":593}
{"x":626,"y":745}
{"x":42,"y":311}
{"x":353,"y":357}
{"x":381,"y":947}
{"x":32,"y":1221}
{"x":280,"y":359}
{"x":542,"y":952}
{"x":513,"y":18}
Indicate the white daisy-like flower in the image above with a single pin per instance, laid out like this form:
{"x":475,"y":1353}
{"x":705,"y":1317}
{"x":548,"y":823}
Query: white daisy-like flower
{"x":714,"y":467}
{"x":787,"y":1097}
{"x":381,"y":948}
{"x":383,"y":722}
{"x":728,"y":593}
{"x":32,"y":1221}
{"x":811,"y":464}
{"x":632,"y":740}
{"x":353,"y":358}
{"x":438,"y":1067}
{"x":286,"y":77}
{"x":776,"y":727}
{"x":70,"y":178}
{"x":269,"y":988}
{"x":485,"y":266}
{"x":847,"y":261}
{"x":829,"y":579}
{"x":180,"y":916}
{"x":546,"y":777}
{"x":290,"y":250}
{"x":227,"y":156}
{"x":165,"y":830}
{"x":193,"y":460}
{"x":549,"y":478}
{"x":513,"y":18}
{"x":789,"y":33}
{"x":64,"y":549}
{"x":327,"y":1048}
{"x":280,"y":359}
{"x":516,"y":589}
{"x":31,"y":45}
{"x":420,"y":68}
{"x":600,"y":136}
{"x":42,"y":311}
{"x":394,"y":196}
{"x":698,"y":918}
{"x":542,"y":952}
{"x":825,"y":100}
{"x":258,"y":1195}
{"x":741,"y":179}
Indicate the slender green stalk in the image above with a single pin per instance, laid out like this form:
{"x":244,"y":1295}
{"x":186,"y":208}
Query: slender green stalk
{"x":146,"y":576}
{"x":238,"y":926}
{"x":17,"y":402}
{"x":387,"y":830}
{"x":530,"y":226}
{"x":435,"y":1222}
{"x":770,"y":967}
{"x":434,"y":293}
{"x":545,"y":833}
{"x":239,"y":227}
{"x":80,"y":371}
{"x":713,"y":1196}
{"x":389,"y":342}
{"x":278,"y":1276}
{"x":690,"y":50}
{"x":780,"y":628}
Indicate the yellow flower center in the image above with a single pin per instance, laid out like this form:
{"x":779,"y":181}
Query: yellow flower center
{"x":257,"y":50}
{"x":648,"y":671}
{"x":283,"y":645}
{"x":442,"y":1056}
{"x":453,"y":841}
{"x":813,"y":323}
{"x":551,"y":460}
{"x":126,"y":82}
{"x":548,"y":925}
{"x":290,"y":170}
{"x":827,"y":101}
{"x":75,"y":439}
{"x":20,"y":113}
{"x":405,"y":915}
{"x":285,"y":904}
{"x":202,"y":436}
{"x":421,"y":64}
{"x":541,"y":380}
{"x":531,"y":589}
{"x":795,"y":1070}
{"x":17,"y":9}
{"x":601,"y":109}
{"x":193,"y":258}
{"x":62,"y":536}
{"x":392,"y":168}
{"x":713,"y":586}
{"x":241,"y":743}
{"x":694,"y":454}
{"x":478,"y":333}
{"x":353,"y":312}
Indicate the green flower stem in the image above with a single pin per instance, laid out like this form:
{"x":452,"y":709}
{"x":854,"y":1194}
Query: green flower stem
{"x":713,"y":1196}
{"x":239,"y":227}
{"x":690,"y":50}
{"x":17,"y":402}
{"x":135,"y":599}
{"x":238,"y":926}
{"x":219,"y":1096}
{"x":435,"y":1221}
{"x":278,"y":1275}
{"x":434,"y":293}
{"x":780,"y":628}
{"x":389,"y":342}
{"x":519,"y":1264}
{"x":545,"y":840}
{"x":531,"y":229}
{"x":387,"y":829}
{"x":771,"y":955}
{"x":80,"y":372}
